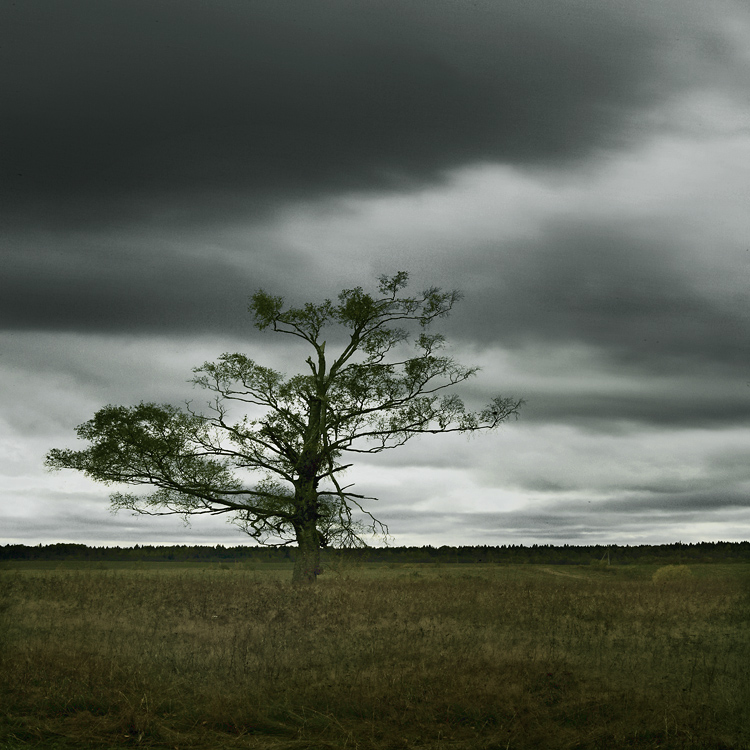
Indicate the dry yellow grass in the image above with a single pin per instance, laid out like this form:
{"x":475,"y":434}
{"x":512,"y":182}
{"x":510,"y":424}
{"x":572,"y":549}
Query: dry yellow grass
{"x":380,"y":657}
{"x":669,"y":573}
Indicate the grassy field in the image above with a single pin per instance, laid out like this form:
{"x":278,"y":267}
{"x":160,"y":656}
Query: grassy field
{"x":374,"y":657}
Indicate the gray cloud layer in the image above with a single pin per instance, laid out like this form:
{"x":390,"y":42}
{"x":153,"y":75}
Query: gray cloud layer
{"x":205,"y":109}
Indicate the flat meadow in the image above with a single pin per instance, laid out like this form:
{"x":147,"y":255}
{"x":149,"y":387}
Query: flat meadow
{"x":382,"y":656}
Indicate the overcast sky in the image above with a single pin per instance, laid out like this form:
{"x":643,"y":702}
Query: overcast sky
{"x":579,"y":169}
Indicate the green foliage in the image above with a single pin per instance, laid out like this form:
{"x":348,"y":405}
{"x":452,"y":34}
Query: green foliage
{"x":269,"y":448}
{"x":139,"y":444}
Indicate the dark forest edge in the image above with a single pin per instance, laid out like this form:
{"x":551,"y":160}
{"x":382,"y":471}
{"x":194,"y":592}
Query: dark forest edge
{"x":677,"y":553}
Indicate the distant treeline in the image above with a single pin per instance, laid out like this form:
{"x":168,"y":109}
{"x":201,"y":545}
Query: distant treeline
{"x":702,"y":552}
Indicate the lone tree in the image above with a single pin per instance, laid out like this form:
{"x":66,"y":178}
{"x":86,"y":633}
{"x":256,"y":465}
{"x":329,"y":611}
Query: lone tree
{"x":276,"y":464}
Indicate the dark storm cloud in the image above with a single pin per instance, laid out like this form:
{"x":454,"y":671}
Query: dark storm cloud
{"x":124,"y":109}
{"x":671,"y":499}
{"x":622,"y":414}
{"x":105,"y":283}
{"x":640,"y":299}
{"x":686,"y":501}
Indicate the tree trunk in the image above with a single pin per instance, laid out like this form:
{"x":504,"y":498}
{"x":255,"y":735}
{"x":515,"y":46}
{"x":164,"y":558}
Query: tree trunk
{"x":307,"y":561}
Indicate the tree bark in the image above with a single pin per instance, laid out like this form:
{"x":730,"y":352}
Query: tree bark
{"x":307,"y":561}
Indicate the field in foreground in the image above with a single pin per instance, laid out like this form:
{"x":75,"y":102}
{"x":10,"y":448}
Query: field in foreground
{"x":453,"y":657}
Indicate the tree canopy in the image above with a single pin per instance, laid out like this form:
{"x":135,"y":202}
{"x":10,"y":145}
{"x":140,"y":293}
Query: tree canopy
{"x":270,"y":449}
